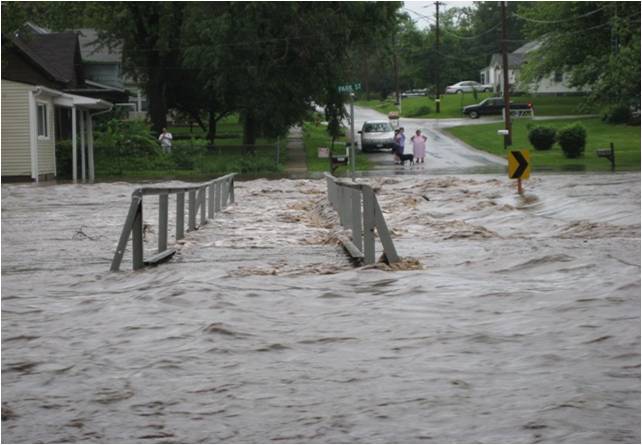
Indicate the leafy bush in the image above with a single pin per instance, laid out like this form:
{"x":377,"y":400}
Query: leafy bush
{"x":617,"y":114}
{"x":129,"y":137}
{"x":572,"y":139}
{"x":186,"y":153}
{"x":542,"y":138}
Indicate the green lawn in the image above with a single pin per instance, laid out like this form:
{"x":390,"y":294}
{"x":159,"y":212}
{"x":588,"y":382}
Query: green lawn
{"x":451,"y":105}
{"x":317,"y":136}
{"x":626,"y":140}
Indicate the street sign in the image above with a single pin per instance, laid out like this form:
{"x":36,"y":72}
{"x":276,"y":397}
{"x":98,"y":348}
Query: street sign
{"x":519,"y":166}
{"x":324,"y":152}
{"x":349,"y":88}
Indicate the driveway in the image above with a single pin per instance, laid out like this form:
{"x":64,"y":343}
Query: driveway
{"x":444,"y":153}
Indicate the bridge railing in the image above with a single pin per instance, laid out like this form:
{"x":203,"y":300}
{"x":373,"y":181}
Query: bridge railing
{"x":359,"y":212}
{"x":210,"y":196}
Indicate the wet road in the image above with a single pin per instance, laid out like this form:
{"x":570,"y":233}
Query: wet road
{"x":444,"y":153}
{"x":523,"y":324}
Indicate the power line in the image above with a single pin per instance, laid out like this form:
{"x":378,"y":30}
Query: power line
{"x":552,"y":22}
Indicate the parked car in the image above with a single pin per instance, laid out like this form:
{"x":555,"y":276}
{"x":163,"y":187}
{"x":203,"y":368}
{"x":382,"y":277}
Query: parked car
{"x":491,"y":105}
{"x":468,"y":86}
{"x":419,"y":92}
{"x":376,"y":135}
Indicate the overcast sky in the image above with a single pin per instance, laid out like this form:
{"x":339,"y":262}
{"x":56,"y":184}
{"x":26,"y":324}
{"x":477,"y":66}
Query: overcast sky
{"x":416,"y":9}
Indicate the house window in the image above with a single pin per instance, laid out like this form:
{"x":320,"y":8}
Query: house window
{"x":43,"y":124}
{"x":559,"y":76}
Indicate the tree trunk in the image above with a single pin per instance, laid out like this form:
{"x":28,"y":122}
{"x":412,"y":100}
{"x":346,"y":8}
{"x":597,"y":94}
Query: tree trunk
{"x":156,"y":102}
{"x":249,"y":128}
{"x":211,"y":125}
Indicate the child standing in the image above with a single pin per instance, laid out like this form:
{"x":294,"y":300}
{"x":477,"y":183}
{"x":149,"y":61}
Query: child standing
{"x":419,"y":146}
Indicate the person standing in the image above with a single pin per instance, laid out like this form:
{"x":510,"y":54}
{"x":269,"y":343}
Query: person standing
{"x":419,"y":146}
{"x":400,"y":142}
{"x":165,"y":139}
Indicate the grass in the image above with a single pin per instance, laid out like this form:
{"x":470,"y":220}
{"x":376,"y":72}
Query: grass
{"x":626,"y":140}
{"x":315,"y":136}
{"x":451,"y":105}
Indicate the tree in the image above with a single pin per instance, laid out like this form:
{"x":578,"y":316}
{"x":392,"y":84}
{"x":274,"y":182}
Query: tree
{"x":596,"y":43}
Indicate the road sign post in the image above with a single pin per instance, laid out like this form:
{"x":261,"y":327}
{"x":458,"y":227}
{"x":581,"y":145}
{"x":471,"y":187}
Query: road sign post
{"x":351,"y":89}
{"x":519,"y":167}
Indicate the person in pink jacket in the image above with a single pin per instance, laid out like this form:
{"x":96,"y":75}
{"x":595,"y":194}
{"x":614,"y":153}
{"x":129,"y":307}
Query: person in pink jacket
{"x":419,"y":146}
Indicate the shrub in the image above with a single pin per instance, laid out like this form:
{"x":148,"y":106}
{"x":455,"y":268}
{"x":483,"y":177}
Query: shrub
{"x":186,"y":153}
{"x":617,"y":114}
{"x":131,"y":138}
{"x":542,"y":138}
{"x":572,"y":139}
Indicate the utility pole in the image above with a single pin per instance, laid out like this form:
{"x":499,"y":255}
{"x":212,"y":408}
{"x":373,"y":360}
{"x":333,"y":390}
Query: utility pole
{"x":438,"y":92}
{"x":507,"y":124}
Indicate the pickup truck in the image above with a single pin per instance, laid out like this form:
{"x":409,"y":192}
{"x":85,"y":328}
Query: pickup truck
{"x":491,"y":105}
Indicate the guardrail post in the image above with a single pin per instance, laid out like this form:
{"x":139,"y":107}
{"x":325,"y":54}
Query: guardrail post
{"x":368,"y":225}
{"x":356,"y":219}
{"x":163,"y":204}
{"x":232,"y":190}
{"x":217,"y":199}
{"x":137,"y":237}
{"x":210,"y":202}
{"x":225,"y":193}
{"x":191,"y":222}
{"x":201,"y":196}
{"x":127,"y":230}
{"x":180,"y":215}
{"x":386,"y":241}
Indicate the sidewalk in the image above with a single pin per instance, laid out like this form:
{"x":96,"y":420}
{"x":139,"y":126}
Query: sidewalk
{"x":295,"y":152}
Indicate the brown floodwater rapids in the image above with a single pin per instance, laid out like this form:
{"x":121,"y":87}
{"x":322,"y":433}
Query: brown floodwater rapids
{"x":518,"y":320}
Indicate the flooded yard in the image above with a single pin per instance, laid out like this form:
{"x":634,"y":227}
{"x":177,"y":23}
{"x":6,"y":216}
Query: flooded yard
{"x":522,"y":323}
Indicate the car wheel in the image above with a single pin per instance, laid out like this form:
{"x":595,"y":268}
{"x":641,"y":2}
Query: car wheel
{"x":473,"y":115}
{"x":459,"y":92}
{"x":486,"y":90}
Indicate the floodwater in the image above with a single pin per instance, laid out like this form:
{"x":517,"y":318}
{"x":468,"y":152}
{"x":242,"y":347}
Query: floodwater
{"x":522,"y":323}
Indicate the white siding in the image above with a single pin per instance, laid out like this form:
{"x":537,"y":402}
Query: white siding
{"x":16,"y":156}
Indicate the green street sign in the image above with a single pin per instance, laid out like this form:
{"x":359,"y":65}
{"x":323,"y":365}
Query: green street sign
{"x":349,"y":88}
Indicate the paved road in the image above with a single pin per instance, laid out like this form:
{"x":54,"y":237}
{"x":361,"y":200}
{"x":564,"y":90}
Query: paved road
{"x":444,"y":153}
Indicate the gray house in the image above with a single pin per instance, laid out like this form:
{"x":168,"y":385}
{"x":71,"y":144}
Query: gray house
{"x":556,"y":83}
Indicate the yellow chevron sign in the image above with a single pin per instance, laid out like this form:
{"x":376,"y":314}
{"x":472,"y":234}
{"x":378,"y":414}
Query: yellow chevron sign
{"x":519,"y":166}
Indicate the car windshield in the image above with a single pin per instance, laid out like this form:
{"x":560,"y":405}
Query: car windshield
{"x":377,"y":127}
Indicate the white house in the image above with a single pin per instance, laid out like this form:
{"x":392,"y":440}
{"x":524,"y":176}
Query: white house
{"x":35,"y":107}
{"x":556,"y":83}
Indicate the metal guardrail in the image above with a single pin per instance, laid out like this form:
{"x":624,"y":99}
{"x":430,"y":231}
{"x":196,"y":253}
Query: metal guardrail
{"x":359,"y":211}
{"x":216,"y":193}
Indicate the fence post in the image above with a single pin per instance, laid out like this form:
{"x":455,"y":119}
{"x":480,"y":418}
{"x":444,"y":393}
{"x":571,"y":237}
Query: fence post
{"x":356,"y":219}
{"x":163,"y":203}
{"x":191,"y":222}
{"x":201,"y":195}
{"x":210,"y":206}
{"x":180,"y":215}
{"x":368,"y":225}
{"x":127,"y":230}
{"x":137,"y":237}
{"x":232,"y":190}
{"x":217,"y":200}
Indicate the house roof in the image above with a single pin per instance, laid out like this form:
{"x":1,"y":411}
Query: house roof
{"x":92,"y":50}
{"x":514,"y":60}
{"x":55,"y":53}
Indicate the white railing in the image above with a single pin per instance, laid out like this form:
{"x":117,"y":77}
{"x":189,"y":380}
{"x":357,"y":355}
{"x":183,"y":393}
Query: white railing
{"x":359,"y":212}
{"x":217,"y":193}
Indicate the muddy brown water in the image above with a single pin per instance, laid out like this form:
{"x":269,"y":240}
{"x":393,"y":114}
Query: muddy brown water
{"x":522,"y":324}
